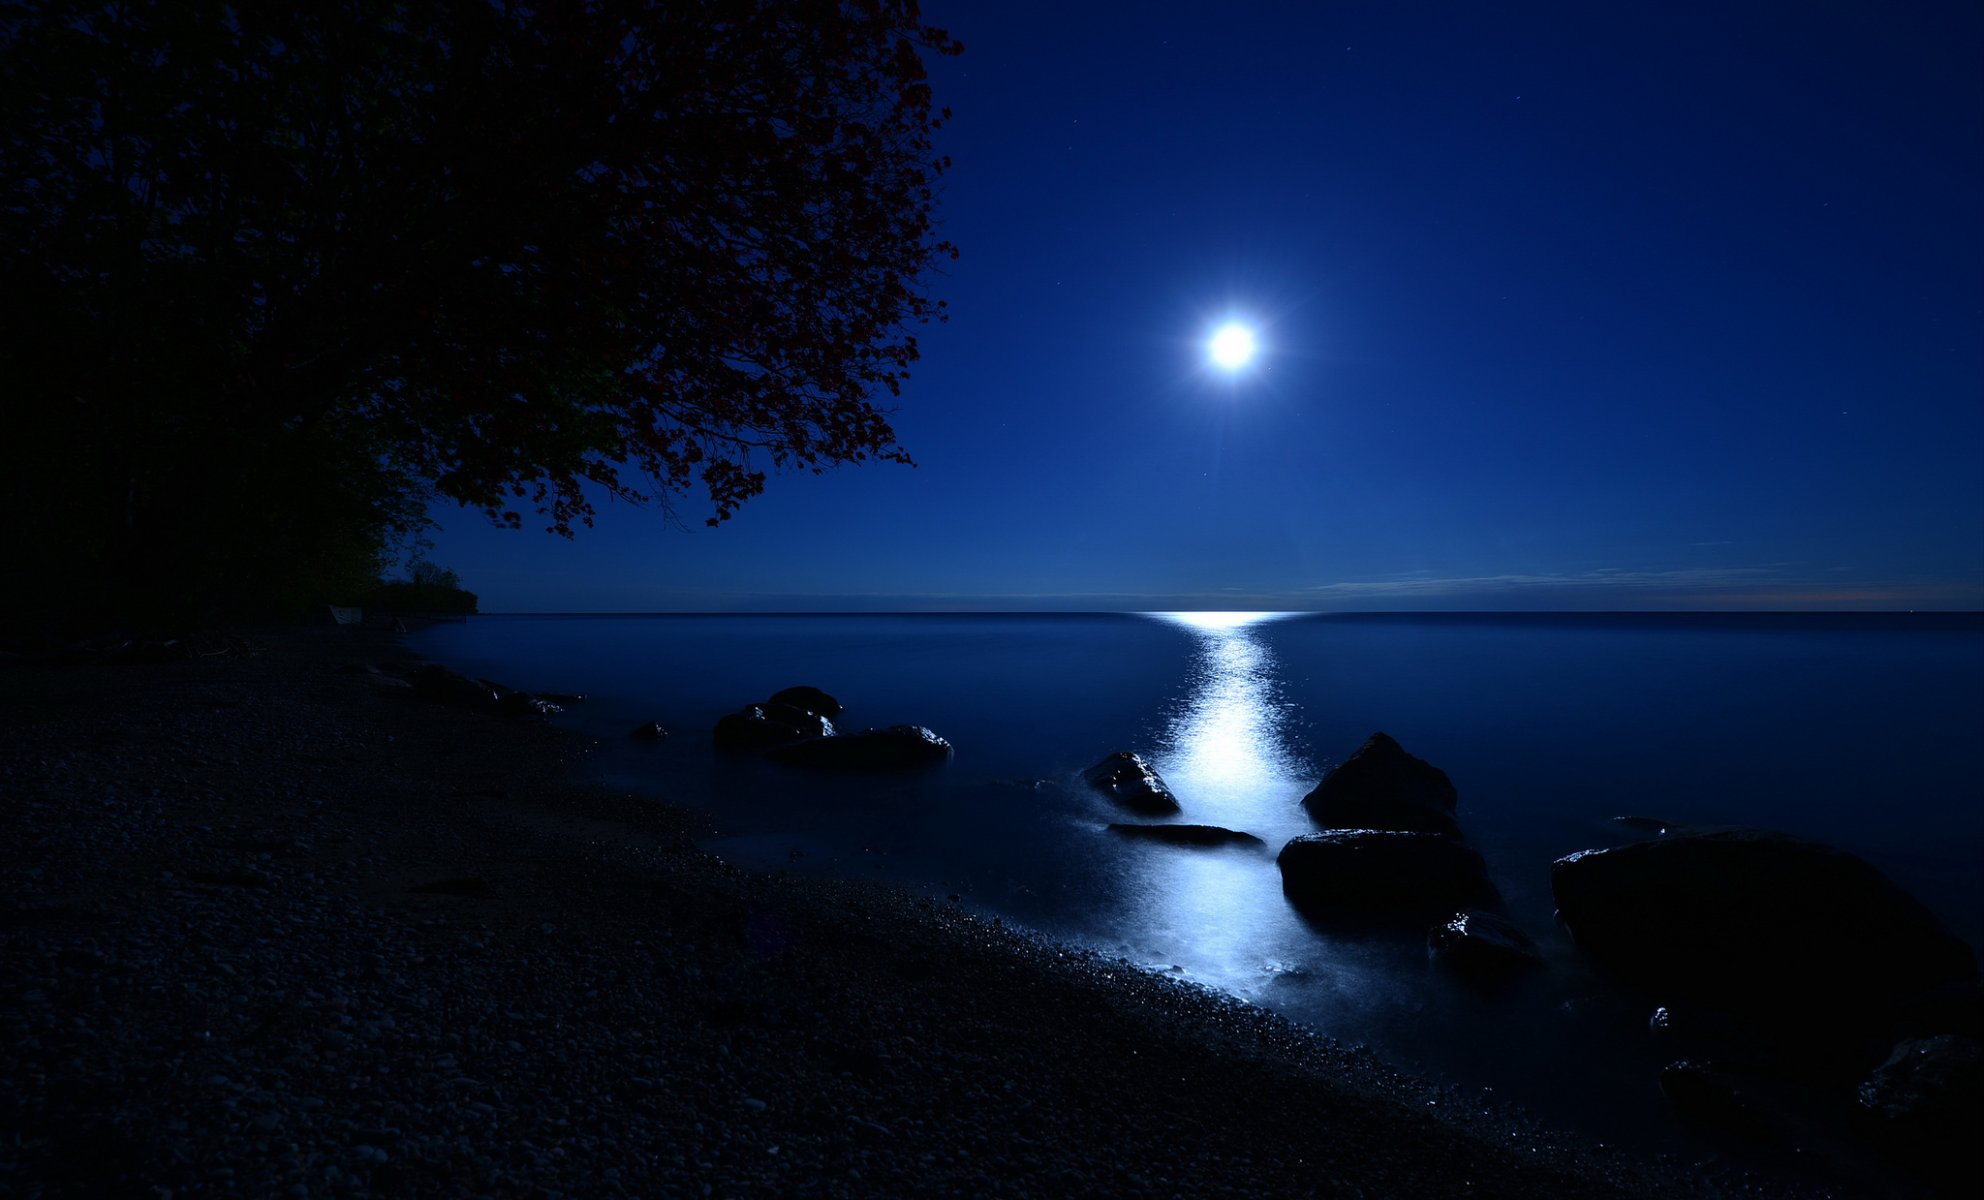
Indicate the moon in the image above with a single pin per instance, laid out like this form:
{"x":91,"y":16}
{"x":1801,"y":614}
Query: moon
{"x":1232,"y":347}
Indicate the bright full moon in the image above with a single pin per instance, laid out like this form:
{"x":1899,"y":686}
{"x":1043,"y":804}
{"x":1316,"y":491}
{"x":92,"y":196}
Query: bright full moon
{"x":1232,"y":346}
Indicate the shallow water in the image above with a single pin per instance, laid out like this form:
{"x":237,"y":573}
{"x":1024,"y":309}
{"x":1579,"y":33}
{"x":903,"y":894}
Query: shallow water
{"x":1862,"y":731}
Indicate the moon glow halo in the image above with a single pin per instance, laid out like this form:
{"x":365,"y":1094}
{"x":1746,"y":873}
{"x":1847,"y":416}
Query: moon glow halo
{"x":1232,"y":347}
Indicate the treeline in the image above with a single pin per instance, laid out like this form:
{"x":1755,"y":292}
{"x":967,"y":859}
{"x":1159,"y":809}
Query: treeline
{"x":274,"y":278}
{"x":427,"y":589}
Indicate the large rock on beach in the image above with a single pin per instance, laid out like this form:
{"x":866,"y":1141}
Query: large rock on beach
{"x":1756,"y":922}
{"x":1132,"y":783}
{"x":1383,"y":787}
{"x":896,"y":747}
{"x":1186,"y":835}
{"x":1382,"y":872}
{"x":1482,"y":946}
{"x":759,"y":727}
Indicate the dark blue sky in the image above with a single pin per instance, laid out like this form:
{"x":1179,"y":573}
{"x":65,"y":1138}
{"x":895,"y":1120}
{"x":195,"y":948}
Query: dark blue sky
{"x":1563,"y":306}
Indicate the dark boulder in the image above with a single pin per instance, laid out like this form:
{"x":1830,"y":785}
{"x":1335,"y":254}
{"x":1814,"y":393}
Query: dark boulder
{"x":1187,"y":835}
{"x":870,"y":750}
{"x":1383,"y":787}
{"x":808,"y":699}
{"x":444,"y":685}
{"x":523,"y":704}
{"x":1382,"y":871}
{"x":1131,"y":782}
{"x":650,"y":731}
{"x":1926,"y":1102}
{"x":753,"y":728}
{"x":565,"y":698}
{"x":1751,"y":921}
{"x":1481,"y":945}
{"x":798,"y":718}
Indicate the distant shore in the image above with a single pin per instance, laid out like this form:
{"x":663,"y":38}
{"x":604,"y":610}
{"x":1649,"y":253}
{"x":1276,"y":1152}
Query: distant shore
{"x":273,"y":929}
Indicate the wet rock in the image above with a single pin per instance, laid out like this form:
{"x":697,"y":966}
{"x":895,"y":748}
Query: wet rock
{"x":523,"y":704}
{"x":650,"y":731}
{"x":1755,"y":922}
{"x":1132,"y":783}
{"x":808,"y":699}
{"x":445,"y":685}
{"x":1383,"y":787}
{"x":753,"y":728}
{"x":1481,"y":946}
{"x":1382,"y":871}
{"x":870,"y":750}
{"x":565,"y":698}
{"x":1186,"y":835}
{"x":1926,"y":1103}
{"x":1715,"y":1100}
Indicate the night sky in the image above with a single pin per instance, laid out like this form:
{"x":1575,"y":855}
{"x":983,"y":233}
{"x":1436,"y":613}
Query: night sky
{"x":1579,"y":306}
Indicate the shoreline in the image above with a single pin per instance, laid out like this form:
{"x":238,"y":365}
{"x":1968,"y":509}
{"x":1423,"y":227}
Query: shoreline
{"x":275,"y":931}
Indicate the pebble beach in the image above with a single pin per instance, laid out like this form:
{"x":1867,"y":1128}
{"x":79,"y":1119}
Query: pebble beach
{"x":273,"y":928}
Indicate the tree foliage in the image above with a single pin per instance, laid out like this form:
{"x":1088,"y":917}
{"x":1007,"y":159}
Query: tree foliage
{"x":288,"y":266}
{"x":427,"y":588}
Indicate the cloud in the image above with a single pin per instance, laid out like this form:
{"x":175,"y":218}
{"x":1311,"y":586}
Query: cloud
{"x":1603,"y":578}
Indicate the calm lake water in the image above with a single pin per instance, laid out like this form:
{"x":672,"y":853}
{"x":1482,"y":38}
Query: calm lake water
{"x":1862,"y":731}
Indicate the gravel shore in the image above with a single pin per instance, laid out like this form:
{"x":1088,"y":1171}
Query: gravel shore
{"x":272,"y":929}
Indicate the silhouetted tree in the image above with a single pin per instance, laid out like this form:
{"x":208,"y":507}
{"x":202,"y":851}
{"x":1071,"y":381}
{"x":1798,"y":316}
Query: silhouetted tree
{"x":427,"y":588}
{"x":272,"y":271}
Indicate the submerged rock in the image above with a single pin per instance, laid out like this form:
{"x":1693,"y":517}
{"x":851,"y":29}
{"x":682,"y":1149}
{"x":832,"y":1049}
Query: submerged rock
{"x":808,"y":699}
{"x":1382,"y":871}
{"x":1752,"y":921}
{"x":870,"y":750}
{"x":753,"y":727}
{"x":1926,"y":1102}
{"x":649,"y":731}
{"x":1382,"y":787}
{"x":1186,"y":835}
{"x":523,"y":704}
{"x":1131,"y":782}
{"x":1481,"y":945}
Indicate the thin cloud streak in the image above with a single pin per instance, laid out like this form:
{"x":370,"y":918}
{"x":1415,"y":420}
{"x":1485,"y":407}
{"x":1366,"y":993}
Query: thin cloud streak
{"x":1605,"y":578}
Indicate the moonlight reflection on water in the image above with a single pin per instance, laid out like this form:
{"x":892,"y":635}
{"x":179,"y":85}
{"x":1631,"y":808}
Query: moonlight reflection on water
{"x":1220,"y":913}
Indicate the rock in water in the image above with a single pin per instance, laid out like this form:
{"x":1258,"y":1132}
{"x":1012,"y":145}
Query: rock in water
{"x":1756,"y":922}
{"x":651,"y":731}
{"x":755,"y":728}
{"x":1381,"y":872}
{"x":1383,"y":787}
{"x":1927,"y":1103}
{"x":870,"y":750}
{"x":1187,"y":835}
{"x":1128,"y":780}
{"x":523,"y":704}
{"x":808,"y":699}
{"x":1481,"y":945}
